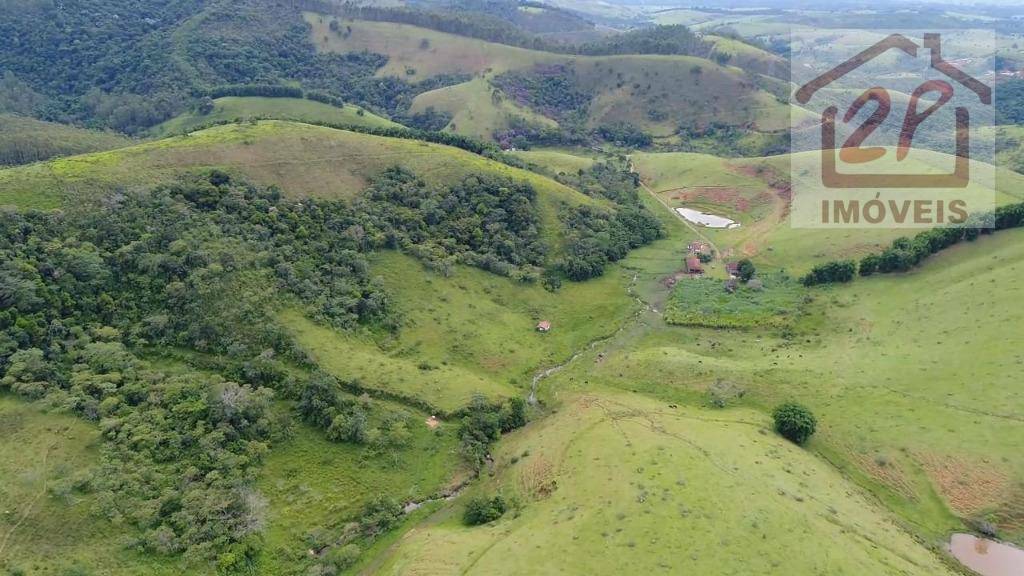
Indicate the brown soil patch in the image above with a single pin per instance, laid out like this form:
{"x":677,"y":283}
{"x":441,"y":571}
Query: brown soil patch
{"x":886,"y":472}
{"x":494,"y":363}
{"x":970,"y":487}
{"x":433,"y":422}
{"x":762,"y":172}
{"x":720,"y":195}
{"x":537,"y":478}
{"x":1010,"y":515}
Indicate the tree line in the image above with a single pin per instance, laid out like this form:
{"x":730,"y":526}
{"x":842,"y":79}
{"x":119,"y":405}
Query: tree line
{"x":671,"y":39}
{"x":906,"y":253}
{"x":486,"y":149}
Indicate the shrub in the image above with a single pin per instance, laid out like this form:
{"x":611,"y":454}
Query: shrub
{"x":481,"y":510}
{"x":830,"y":272}
{"x":869,"y":265}
{"x":513,"y":414}
{"x":343,"y":557}
{"x":379,"y":515}
{"x":747,"y":270}
{"x":794,"y":421}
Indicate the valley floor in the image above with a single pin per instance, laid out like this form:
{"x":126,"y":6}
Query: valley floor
{"x":633,"y":472}
{"x":651,"y":450}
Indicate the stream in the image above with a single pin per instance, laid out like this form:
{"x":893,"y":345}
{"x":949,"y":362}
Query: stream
{"x":644,"y":307}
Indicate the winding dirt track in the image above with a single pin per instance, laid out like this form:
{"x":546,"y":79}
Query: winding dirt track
{"x":685,"y":222}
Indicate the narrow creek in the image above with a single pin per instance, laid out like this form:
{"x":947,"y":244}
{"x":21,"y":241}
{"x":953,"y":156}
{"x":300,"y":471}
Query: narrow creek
{"x":548,"y":372}
{"x":987,"y":557}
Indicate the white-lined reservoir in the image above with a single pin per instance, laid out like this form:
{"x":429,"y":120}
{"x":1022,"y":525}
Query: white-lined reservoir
{"x":706,"y":219}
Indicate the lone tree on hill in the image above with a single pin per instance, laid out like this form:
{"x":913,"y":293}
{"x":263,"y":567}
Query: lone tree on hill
{"x":794,"y":421}
{"x":747,"y":270}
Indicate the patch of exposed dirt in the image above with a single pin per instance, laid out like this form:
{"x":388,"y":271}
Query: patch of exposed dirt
{"x":719,"y":195}
{"x":886,"y":472}
{"x":970,"y":487}
{"x":1009,"y":516}
{"x":763,"y":172}
{"x":494,"y":363}
{"x":537,"y":478}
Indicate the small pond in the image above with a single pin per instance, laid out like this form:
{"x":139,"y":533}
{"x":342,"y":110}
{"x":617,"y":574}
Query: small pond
{"x":987,"y":557}
{"x":705,"y":219}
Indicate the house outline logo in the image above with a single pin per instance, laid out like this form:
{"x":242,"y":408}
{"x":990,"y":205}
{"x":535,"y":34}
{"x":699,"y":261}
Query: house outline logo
{"x":830,"y":175}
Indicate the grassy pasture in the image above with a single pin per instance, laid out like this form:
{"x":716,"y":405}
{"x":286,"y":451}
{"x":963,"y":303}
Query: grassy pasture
{"x":684,"y":16}
{"x":556,"y":161}
{"x":689,"y":91}
{"x":231,"y":108}
{"x":912,"y":378}
{"x":617,"y":483}
{"x":753,"y":192}
{"x":472,"y":332}
{"x":475,"y":110}
{"x":311,"y":484}
{"x":416,"y":53}
{"x":910,"y":374}
{"x":656,"y":93}
{"x":641,"y":487}
{"x":749,"y":57}
{"x":444,"y":387}
{"x":48,"y":527}
{"x":25,"y":140}
{"x":704,"y":302}
{"x":304,"y":160}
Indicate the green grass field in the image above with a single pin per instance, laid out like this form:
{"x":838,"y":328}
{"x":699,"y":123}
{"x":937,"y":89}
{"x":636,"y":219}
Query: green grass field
{"x":314,"y":485}
{"x":231,"y":108}
{"x":304,"y":160}
{"x":557,"y":161}
{"x":476,"y":108}
{"x":25,"y":140}
{"x":446,"y":388}
{"x":917,"y":401}
{"x":416,"y":53}
{"x":705,"y":302}
{"x":48,"y":525}
{"x":621,"y":484}
{"x":469,"y":333}
{"x":616,"y":480}
{"x":750,"y":57}
{"x":655,"y":93}
{"x":754,"y":192}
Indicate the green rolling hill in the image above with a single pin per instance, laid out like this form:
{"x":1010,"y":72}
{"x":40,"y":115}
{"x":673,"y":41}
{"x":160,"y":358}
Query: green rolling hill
{"x":25,"y":140}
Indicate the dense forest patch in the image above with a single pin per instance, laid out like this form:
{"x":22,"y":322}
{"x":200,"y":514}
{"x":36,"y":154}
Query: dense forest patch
{"x":167,"y":56}
{"x":25,"y":140}
{"x":202,"y":264}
